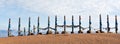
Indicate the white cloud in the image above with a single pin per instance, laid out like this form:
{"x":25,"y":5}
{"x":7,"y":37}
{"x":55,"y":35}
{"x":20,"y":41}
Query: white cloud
{"x":71,"y":7}
{"x":68,"y":7}
{"x":74,"y":7}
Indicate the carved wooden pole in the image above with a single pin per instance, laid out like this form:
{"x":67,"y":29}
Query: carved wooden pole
{"x":24,"y":31}
{"x":64,"y":24}
{"x":89,"y":31}
{"x":48,"y":32}
{"x":19,"y":25}
{"x":64,"y":32}
{"x":48,"y":23}
{"x":38,"y":25}
{"x":9,"y":26}
{"x":108,"y":28}
{"x":72,"y":24}
{"x":56,"y":25}
{"x":116,"y":24}
{"x":29,"y":25}
{"x":80,"y":31}
{"x":100,"y":24}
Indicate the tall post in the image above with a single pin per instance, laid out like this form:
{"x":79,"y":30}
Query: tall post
{"x":19,"y":25}
{"x":64,"y":24}
{"x":89,"y":31}
{"x":116,"y":24}
{"x":100,"y":24}
{"x":48,"y":32}
{"x":80,"y":25}
{"x":34,"y":29}
{"x":24,"y":31}
{"x":56,"y":25}
{"x":72,"y":24}
{"x":108,"y":28}
{"x":29,"y":25}
{"x":38,"y":25}
{"x":64,"y":32}
{"x":9,"y":26}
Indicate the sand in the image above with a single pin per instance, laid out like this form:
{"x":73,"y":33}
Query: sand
{"x":64,"y":39}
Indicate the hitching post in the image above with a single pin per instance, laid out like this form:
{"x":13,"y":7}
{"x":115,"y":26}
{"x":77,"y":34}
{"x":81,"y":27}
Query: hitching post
{"x":116,"y":24}
{"x":38,"y":25}
{"x":108,"y":28}
{"x":29,"y":25}
{"x":89,"y":31}
{"x":72,"y":24}
{"x":9,"y":26}
{"x":19,"y":25}
{"x":80,"y":25}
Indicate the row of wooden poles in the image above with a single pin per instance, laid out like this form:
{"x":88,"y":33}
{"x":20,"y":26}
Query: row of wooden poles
{"x":64,"y":26}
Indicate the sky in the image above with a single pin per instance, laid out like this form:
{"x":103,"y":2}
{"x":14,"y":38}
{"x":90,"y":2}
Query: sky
{"x":44,"y":8}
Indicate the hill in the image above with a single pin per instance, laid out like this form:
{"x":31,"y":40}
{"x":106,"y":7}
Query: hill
{"x":103,"y":38}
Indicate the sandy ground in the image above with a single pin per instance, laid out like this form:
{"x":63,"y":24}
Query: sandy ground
{"x":64,"y":39}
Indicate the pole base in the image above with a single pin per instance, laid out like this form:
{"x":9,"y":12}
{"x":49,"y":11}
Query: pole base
{"x":39,"y":33}
{"x":100,"y":31}
{"x":49,"y":32}
{"x":80,"y":32}
{"x":56,"y":32}
{"x":116,"y":31}
{"x":72,"y":32}
{"x":30,"y":34}
{"x":97,"y":31}
{"x":89,"y":31}
{"x":64,"y":32}
{"x":11,"y":36}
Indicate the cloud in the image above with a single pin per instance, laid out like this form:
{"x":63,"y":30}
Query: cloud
{"x":71,"y":7}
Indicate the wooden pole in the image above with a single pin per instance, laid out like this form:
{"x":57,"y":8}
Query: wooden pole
{"x":48,"y":32}
{"x":9,"y":26}
{"x":72,"y":24}
{"x":80,"y":31}
{"x":64,"y":24}
{"x":89,"y":31}
{"x":19,"y":25}
{"x":56,"y":25}
{"x":64,"y":32}
{"x":38,"y":25}
{"x":29,"y":25}
{"x":116,"y":24}
{"x":108,"y":28}
{"x":24,"y":31}
{"x":100,"y":24}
